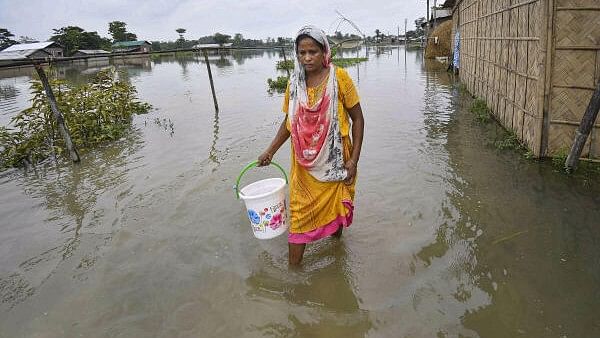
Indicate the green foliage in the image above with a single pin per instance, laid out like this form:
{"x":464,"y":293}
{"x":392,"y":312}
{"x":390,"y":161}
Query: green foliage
{"x":283,"y":65}
{"x":508,"y":141}
{"x":221,"y":38}
{"x":94,"y":113}
{"x":559,"y":159}
{"x":73,"y":38}
{"x":118,"y":30}
{"x":347,"y":62}
{"x":5,"y":38}
{"x":529,"y":154}
{"x":278,"y":85}
{"x":481,"y":111}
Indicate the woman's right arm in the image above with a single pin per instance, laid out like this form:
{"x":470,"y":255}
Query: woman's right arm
{"x":282,"y":135}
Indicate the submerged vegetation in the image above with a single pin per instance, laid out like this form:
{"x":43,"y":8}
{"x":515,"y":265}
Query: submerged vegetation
{"x":95,"y":113}
{"x":481,"y":111}
{"x":285,"y":65}
{"x":347,"y":62}
{"x":279,"y":84}
{"x":508,"y":140}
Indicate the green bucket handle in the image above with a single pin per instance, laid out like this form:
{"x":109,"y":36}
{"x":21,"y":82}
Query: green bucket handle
{"x":250,"y":166}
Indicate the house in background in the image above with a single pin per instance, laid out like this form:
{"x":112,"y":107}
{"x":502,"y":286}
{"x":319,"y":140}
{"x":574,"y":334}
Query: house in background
{"x":439,"y":14}
{"x":212,"y":45}
{"x":54,"y":49}
{"x":89,"y":52}
{"x":132,"y":47}
{"x":20,"y":56}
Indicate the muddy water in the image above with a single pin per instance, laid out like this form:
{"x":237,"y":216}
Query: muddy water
{"x":452,"y":237}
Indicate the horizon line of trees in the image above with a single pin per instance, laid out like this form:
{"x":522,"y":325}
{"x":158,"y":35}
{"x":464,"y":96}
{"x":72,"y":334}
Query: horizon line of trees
{"x":73,"y":38}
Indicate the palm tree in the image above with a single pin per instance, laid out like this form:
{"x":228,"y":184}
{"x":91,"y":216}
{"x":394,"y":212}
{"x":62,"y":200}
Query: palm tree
{"x":377,"y":33}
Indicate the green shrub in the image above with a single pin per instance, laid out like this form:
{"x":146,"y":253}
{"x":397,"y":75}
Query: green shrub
{"x":285,"y":65}
{"x":278,"y":85}
{"x":347,"y":62}
{"x":481,"y":111}
{"x":509,"y":141}
{"x":94,"y":113}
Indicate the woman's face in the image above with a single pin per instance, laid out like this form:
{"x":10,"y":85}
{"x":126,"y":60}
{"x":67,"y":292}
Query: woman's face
{"x":310,"y":54}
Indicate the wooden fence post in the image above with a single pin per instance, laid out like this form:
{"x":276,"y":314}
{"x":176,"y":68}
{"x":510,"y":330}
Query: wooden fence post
{"x":586,"y":125}
{"x":60,"y":121}
{"x":212,"y":86}
{"x":285,"y":62}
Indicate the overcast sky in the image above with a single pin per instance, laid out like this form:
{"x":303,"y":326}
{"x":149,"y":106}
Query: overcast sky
{"x":158,"y":19}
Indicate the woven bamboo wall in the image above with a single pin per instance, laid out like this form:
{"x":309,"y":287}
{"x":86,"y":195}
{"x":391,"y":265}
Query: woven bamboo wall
{"x":575,"y":73}
{"x":501,"y":61}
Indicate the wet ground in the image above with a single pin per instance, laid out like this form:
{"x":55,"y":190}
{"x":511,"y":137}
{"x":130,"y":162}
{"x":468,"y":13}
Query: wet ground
{"x":451,"y":237}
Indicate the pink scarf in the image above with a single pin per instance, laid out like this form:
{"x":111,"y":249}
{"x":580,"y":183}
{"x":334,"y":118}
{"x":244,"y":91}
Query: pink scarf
{"x":315,"y":129}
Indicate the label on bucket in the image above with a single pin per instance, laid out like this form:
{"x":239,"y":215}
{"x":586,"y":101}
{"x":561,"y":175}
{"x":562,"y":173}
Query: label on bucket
{"x":271,"y":217}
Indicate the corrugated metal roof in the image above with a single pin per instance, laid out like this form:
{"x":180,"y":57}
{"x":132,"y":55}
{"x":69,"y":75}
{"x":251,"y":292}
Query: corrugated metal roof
{"x":213,"y":45}
{"x":130,"y":43}
{"x":92,"y":51}
{"x":17,"y":54}
{"x":28,"y":46}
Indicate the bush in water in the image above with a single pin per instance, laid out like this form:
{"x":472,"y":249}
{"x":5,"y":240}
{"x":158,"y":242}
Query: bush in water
{"x":94,"y":113}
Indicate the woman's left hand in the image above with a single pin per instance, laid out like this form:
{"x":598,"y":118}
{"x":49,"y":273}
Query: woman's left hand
{"x":351,"y":168}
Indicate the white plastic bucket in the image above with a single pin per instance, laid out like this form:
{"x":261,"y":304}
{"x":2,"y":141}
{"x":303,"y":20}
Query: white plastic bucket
{"x":266,"y":204}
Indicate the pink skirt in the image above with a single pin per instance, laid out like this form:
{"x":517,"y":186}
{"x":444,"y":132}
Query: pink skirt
{"x":326,"y":230}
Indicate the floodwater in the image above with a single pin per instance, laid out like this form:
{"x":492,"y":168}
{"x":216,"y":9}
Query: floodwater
{"x":452,"y":237}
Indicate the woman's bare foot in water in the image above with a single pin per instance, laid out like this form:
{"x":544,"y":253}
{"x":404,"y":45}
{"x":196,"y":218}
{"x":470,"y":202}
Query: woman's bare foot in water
{"x":338,"y":233}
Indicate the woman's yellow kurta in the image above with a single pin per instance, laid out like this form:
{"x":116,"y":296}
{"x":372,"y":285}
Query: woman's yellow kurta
{"x":313,"y":203}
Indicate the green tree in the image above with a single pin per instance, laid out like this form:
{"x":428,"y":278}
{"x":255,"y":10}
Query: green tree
{"x":119,"y":31}
{"x":73,"y":38}
{"x":238,"y":39}
{"x":5,"y":38}
{"x":418,"y":25}
{"x":221,"y":38}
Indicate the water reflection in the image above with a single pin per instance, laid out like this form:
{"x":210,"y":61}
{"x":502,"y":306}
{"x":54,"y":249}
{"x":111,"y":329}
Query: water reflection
{"x":8,"y":99}
{"x":71,"y":195}
{"x":452,"y":237}
{"x":212,"y":154}
{"x":240,"y":56}
{"x":8,"y":92}
{"x":508,"y":245}
{"x":322,"y":296}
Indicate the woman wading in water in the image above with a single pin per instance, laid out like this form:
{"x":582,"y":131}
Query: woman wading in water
{"x":322,"y":107}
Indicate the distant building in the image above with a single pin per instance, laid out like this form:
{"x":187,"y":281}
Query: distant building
{"x":86,"y":52}
{"x":132,"y":46}
{"x":54,"y":49}
{"x":440,"y":14}
{"x":213,"y":45}
{"x":16,"y":57}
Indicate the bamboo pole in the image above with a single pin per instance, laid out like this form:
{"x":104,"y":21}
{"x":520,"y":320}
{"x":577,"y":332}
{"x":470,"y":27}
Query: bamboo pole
{"x":60,"y":121}
{"x":545,"y":68}
{"x":285,"y":62}
{"x":427,"y":25}
{"x":212,"y":86}
{"x":583,"y":131}
{"x":476,"y":57}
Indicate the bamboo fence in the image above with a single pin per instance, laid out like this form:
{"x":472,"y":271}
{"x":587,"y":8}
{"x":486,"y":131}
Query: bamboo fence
{"x":535,"y":63}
